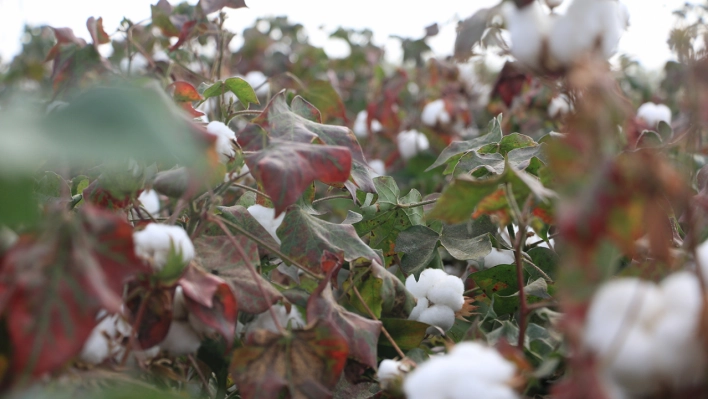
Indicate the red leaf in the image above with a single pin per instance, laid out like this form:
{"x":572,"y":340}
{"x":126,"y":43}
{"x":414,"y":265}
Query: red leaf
{"x":307,"y":363}
{"x":362,"y":334}
{"x":103,"y":198}
{"x":210,"y":6}
{"x":199,"y":285}
{"x":95,"y":28}
{"x":63,"y":36}
{"x":156,"y":317}
{"x":218,"y":255}
{"x":183,"y":91}
{"x":56,"y":283}
{"x":187,"y":106}
{"x":184,"y":34}
{"x":286,"y":169}
{"x":221,"y":316}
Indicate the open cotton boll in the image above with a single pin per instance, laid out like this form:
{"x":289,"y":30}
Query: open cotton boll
{"x":391,"y":373}
{"x":155,"y":241}
{"x":150,"y":200}
{"x":427,"y":280}
{"x":266,"y":217}
{"x":439,"y":316}
{"x":264,"y":321}
{"x":378,"y":166}
{"x":420,"y":306}
{"x":652,"y":114}
{"x":498,"y":257}
{"x":225,"y":140}
{"x":448,"y":291}
{"x":360,"y":128}
{"x":411,"y":142}
{"x":559,"y":106}
{"x":470,"y":370}
{"x":181,"y":339}
{"x":528,"y":27}
{"x":434,"y":112}
{"x":258,"y":81}
{"x":102,"y":343}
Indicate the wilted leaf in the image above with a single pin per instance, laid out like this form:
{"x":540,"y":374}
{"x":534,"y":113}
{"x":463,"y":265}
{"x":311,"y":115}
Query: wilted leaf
{"x":95,"y":28}
{"x":286,"y":169}
{"x":219,"y":256}
{"x":305,"y":237}
{"x":361,"y":333}
{"x":221,"y":316}
{"x":470,"y":31}
{"x":306,"y":363}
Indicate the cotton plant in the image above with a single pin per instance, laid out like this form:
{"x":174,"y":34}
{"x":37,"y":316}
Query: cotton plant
{"x":411,"y":142}
{"x":160,"y":244}
{"x":434,"y":113}
{"x":360,"y":128}
{"x":651,"y":114}
{"x":225,"y":140}
{"x":469,"y":370}
{"x":266,"y":217}
{"x":439,"y":298}
{"x":646,"y":336}
{"x":540,"y":40}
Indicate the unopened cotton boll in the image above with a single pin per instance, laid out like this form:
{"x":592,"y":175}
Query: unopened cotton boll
{"x":470,"y":370}
{"x":434,"y":112}
{"x":225,"y":140}
{"x":499,"y":257}
{"x":181,"y":339}
{"x":155,"y":242}
{"x":378,"y":166}
{"x":528,"y":27}
{"x":258,"y":81}
{"x":266,"y":217}
{"x":411,"y":142}
{"x":652,"y":114}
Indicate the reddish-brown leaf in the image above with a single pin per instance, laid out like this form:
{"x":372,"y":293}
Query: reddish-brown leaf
{"x":219,"y":256}
{"x":56,"y":282}
{"x":287,"y":168}
{"x":307,"y":363}
{"x":95,"y":28}
{"x":183,"y":91}
{"x":184,"y":34}
{"x":362,"y":334}
{"x":199,"y":285}
{"x":187,"y":106}
{"x":102,"y":197}
{"x":221,"y":316}
{"x":156,"y":317}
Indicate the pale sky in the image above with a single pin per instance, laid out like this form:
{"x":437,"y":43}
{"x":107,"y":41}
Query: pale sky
{"x":650,"y":20}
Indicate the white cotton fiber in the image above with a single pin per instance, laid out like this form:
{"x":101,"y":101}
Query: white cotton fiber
{"x":181,"y":339}
{"x":448,"y":291}
{"x":434,"y":112}
{"x":411,"y":142}
{"x":154,"y":242}
{"x":225,"y":140}
{"x":266,"y":217}
{"x":652,"y":114}
{"x":438,"y":315}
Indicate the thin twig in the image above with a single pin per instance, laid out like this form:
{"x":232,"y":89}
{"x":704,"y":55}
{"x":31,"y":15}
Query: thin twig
{"x":199,"y":373}
{"x":538,"y":269}
{"x":417,"y":204}
{"x":317,"y":201}
{"x":251,"y":189}
{"x":270,"y":248}
{"x":383,"y":329}
{"x":251,"y":269}
{"x":133,"y":341}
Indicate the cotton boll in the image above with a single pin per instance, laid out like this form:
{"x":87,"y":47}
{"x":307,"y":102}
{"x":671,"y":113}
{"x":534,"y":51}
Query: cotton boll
{"x":150,"y":201}
{"x":489,"y":365}
{"x":258,"y":81}
{"x":474,"y":388}
{"x":419,"y":308}
{"x":652,"y":114}
{"x":225,"y":140}
{"x":528,"y":27}
{"x":179,"y":305}
{"x":360,"y":129}
{"x":378,"y":166}
{"x":499,"y":257}
{"x":411,"y":142}
{"x":430,"y":380}
{"x":427,"y":280}
{"x":155,"y":241}
{"x":553,"y":3}
{"x":438,"y":315}
{"x":390,"y":373}
{"x":181,"y":339}
{"x":266,"y":217}
{"x":448,"y":291}
{"x":559,"y":106}
{"x":434,"y":112}
{"x":264,"y":321}
{"x":101,"y":343}
{"x":632,"y":362}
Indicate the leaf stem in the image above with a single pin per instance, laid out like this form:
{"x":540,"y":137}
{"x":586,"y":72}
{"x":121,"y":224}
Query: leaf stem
{"x":383,"y":329}
{"x":417,"y":204}
{"x":317,"y":201}
{"x":251,"y":269}
{"x":251,"y":189}
{"x":274,"y":250}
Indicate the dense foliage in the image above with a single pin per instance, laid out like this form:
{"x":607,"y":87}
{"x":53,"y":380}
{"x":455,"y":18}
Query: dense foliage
{"x":183,"y":218}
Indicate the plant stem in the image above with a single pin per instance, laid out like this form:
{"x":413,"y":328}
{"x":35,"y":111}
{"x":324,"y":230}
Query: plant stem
{"x":383,"y":329}
{"x":133,"y":341}
{"x":251,"y":269}
{"x":251,"y":189}
{"x":417,"y":204}
{"x":317,"y":201}
{"x":269,"y":247}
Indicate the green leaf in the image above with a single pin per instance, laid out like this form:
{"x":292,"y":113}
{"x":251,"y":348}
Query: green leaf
{"x":471,"y":162}
{"x":213,"y":90}
{"x":419,"y":245}
{"x":18,"y":204}
{"x":50,"y":187}
{"x":514,"y":141}
{"x":242,"y":90}
{"x":408,"y":334}
{"x":456,"y":149}
{"x":546,"y":259}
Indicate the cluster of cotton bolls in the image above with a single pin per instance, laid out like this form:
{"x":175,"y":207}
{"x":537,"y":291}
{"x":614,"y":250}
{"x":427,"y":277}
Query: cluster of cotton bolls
{"x":411,"y":142}
{"x":651,"y":114}
{"x":646,"y":336}
{"x":469,"y":370}
{"x":439,"y":295}
{"x":435,"y":113}
{"x":225,"y":141}
{"x":266,"y":217}
{"x":360,"y":127}
{"x":587,"y":26}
